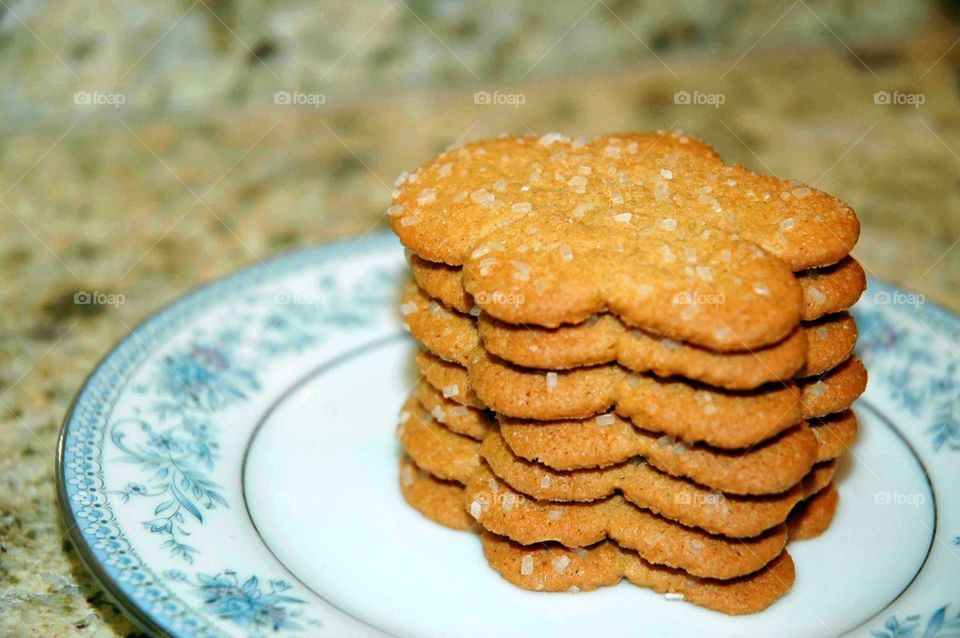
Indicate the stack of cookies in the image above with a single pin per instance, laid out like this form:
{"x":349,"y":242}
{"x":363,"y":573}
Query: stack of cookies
{"x":636,"y":362}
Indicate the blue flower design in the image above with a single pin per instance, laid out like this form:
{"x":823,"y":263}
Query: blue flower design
{"x":247,"y":604}
{"x":921,"y":379}
{"x":205,"y":377}
{"x":176,"y":442}
{"x":130,"y":490}
{"x":174,"y":458}
{"x":298,"y":322}
{"x":938,"y":626}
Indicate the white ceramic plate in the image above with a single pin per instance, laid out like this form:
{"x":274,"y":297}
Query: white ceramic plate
{"x":229,"y":469}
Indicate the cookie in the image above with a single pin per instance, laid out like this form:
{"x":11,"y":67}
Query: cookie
{"x":649,"y":235}
{"x":442,"y":282}
{"x":462,"y":419}
{"x":555,"y":568}
{"x":693,"y":414}
{"x":824,"y":290}
{"x":440,"y":501}
{"x":450,"y":378}
{"x":674,"y":498}
{"x":592,"y":342}
{"x":552,"y":567}
{"x":505,"y":512}
{"x":455,"y":457}
{"x":535,"y":394}
{"x":640,"y":352}
{"x":602,"y":339}
{"x":449,"y":335}
{"x":835,"y":434}
{"x":831,"y":289}
{"x":812,"y":517}
{"x":605,"y":340}
{"x":834,"y":390}
{"x":771,"y":467}
{"x":690,"y":412}
{"x":830,"y":342}
{"x":433,"y":447}
{"x":818,"y":478}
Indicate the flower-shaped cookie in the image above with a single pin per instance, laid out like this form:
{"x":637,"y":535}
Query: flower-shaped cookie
{"x":652,"y":227}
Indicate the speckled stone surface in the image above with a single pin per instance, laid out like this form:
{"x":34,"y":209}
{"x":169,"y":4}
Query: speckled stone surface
{"x":163,"y":56}
{"x":150,"y":207}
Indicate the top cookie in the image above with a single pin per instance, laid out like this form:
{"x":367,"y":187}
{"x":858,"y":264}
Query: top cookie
{"x":653,"y":227}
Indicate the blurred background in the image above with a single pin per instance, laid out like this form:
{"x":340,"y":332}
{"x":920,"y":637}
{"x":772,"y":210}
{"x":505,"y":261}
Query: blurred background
{"x":148,"y":147}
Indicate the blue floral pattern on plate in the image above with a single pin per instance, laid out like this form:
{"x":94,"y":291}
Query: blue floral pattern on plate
{"x":174,"y":439}
{"x":939,"y":625}
{"x":922,"y":377}
{"x":175,"y":442}
{"x":247,"y":604}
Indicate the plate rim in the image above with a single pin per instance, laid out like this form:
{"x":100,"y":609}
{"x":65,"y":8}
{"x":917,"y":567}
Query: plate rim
{"x":134,"y":609}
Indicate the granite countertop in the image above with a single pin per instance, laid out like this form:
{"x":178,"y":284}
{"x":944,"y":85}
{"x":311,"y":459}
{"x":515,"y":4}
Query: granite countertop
{"x":148,"y":208}
{"x":237,"y":53}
